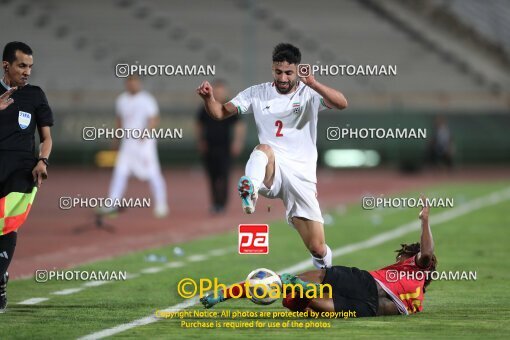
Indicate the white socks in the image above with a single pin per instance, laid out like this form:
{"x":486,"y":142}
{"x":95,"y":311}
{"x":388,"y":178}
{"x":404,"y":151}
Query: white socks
{"x":256,"y":168}
{"x":326,"y":261}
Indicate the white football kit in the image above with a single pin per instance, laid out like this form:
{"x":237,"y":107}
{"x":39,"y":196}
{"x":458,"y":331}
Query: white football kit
{"x":288,"y":124}
{"x":138,"y":157}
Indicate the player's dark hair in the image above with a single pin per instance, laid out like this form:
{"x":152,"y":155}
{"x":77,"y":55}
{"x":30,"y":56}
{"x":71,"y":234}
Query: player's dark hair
{"x":10,"y":49}
{"x":410,"y":250}
{"x":286,"y":52}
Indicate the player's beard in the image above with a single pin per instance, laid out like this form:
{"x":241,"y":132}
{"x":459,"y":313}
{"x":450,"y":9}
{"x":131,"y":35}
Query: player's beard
{"x":290,"y":88}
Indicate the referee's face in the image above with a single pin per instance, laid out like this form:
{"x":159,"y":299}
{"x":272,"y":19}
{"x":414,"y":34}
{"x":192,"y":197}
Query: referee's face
{"x":18,"y":72}
{"x":285,"y":76}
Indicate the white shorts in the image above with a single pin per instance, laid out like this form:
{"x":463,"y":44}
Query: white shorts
{"x":299,"y":196}
{"x":139,"y":159}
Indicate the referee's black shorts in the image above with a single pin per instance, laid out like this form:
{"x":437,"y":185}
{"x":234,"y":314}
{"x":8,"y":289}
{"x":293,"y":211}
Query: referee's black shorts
{"x":353,"y":290}
{"x":16,"y":172}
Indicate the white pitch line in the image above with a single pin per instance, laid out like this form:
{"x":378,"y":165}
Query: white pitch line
{"x":197,"y":258}
{"x":97,"y":283}
{"x":140,"y":322}
{"x":32,"y":301}
{"x":68,"y":291}
{"x":465,"y":208}
{"x":451,"y":214}
{"x":174,"y":264}
{"x":149,"y":270}
{"x":222,"y":251}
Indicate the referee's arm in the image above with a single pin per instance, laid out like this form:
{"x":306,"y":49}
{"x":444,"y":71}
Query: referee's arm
{"x":40,"y":172}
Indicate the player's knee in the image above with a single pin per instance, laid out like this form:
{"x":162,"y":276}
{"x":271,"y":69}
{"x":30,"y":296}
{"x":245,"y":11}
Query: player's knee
{"x":265,"y":149}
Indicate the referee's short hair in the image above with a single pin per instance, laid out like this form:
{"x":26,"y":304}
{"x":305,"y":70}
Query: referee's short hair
{"x":11,"y":48}
{"x":286,"y":52}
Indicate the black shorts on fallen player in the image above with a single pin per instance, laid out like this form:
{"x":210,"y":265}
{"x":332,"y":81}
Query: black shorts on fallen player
{"x":353,"y":290}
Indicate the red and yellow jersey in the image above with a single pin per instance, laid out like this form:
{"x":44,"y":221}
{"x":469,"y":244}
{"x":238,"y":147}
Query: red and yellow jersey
{"x":404,"y":282}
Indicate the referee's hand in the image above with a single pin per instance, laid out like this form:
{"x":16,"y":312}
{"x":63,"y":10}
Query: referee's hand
{"x":39,"y":173}
{"x":5,"y":99}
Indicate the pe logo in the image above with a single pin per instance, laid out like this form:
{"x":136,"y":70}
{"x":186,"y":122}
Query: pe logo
{"x":253,"y":239}
{"x":24,"y":119}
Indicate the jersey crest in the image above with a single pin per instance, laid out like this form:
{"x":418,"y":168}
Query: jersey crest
{"x":296,"y":108}
{"x":24,"y":119}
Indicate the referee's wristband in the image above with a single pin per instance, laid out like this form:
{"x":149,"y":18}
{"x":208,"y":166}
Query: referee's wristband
{"x":44,"y":160}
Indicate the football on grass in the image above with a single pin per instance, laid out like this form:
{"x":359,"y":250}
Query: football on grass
{"x":263,"y":286}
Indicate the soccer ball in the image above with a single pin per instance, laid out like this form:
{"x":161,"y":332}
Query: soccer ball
{"x":262,"y":281}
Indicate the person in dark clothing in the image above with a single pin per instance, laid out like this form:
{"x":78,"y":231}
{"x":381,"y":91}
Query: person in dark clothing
{"x":441,"y":148}
{"x":218,"y":143}
{"x":23,"y":110}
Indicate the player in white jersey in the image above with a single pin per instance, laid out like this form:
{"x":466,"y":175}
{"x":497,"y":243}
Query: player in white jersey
{"x":137,"y":109}
{"x":284,"y":164}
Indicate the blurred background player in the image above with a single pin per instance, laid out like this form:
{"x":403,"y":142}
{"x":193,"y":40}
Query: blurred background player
{"x":137,"y":109}
{"x":441,"y":147}
{"x":284,"y":164}
{"x":392,"y":290}
{"x":23,"y":110}
{"x":218,"y":143}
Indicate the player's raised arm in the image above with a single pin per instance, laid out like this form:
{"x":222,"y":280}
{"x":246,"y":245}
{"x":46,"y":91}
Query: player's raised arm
{"x":214,"y":108}
{"x":426,"y":242}
{"x":332,"y":98}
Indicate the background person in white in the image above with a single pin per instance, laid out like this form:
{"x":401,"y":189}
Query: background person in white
{"x":137,"y":109}
{"x":284,"y":164}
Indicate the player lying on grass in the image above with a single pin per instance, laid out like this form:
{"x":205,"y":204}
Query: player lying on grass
{"x":284,"y":164}
{"x":392,"y":290}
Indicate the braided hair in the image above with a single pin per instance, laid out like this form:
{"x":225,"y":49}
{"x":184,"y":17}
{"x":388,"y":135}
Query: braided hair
{"x":410,"y":250}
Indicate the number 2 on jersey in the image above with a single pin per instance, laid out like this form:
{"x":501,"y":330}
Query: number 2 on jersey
{"x":279,"y":125}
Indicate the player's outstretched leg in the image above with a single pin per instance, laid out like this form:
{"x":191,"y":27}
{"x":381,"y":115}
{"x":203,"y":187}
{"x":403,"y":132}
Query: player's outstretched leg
{"x":210,"y":300}
{"x":298,"y":302}
{"x":259,"y":169}
{"x":237,"y":290}
{"x":312,"y":234}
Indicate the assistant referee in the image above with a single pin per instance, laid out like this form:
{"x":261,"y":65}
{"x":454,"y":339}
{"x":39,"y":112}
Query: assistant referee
{"x":23,"y":109}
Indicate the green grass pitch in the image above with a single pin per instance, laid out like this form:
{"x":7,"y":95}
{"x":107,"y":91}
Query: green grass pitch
{"x":477,"y":241}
